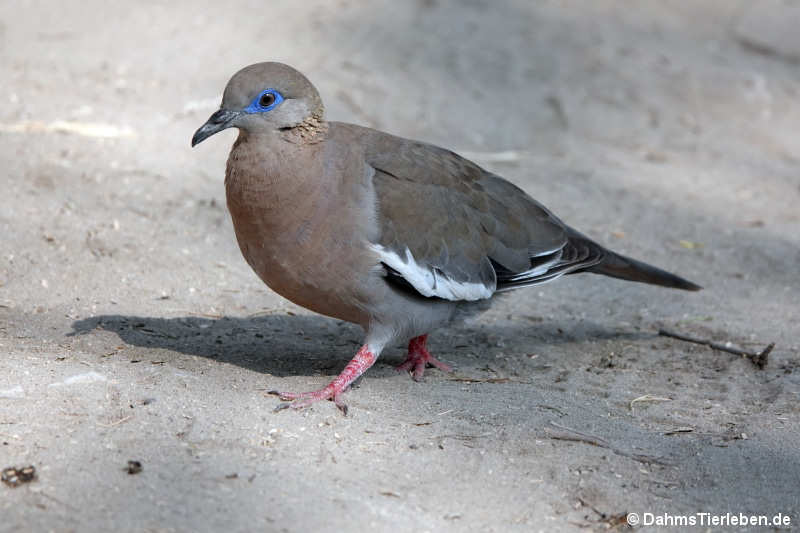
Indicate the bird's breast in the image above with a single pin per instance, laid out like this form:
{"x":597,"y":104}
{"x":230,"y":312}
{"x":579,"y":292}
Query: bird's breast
{"x":292,"y":233}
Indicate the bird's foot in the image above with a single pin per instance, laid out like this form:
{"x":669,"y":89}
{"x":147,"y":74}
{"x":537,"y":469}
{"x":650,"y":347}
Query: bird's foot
{"x":334,"y":390}
{"x":299,"y":400}
{"x":419,"y":357}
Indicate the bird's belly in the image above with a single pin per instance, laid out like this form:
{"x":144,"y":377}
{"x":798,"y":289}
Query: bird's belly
{"x":295,"y":264}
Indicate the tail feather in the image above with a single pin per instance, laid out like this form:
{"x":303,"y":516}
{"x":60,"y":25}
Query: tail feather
{"x":619,"y":266}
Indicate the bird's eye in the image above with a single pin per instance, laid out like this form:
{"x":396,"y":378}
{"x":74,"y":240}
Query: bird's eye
{"x":266,"y":100}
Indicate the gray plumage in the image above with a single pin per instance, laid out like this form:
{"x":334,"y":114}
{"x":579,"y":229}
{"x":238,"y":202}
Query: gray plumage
{"x":392,"y":234}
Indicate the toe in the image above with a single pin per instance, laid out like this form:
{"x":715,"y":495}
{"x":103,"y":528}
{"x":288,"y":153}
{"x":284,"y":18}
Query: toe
{"x":337,"y":399}
{"x":419,"y":370}
{"x":406,"y":365}
{"x":441,"y":366}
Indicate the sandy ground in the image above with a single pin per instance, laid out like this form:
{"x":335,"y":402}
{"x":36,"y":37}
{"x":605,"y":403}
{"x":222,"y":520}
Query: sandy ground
{"x":132,"y":329}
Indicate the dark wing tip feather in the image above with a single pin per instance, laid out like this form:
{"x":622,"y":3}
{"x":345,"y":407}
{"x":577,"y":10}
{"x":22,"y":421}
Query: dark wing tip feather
{"x":576,"y":255}
{"x":580,"y":254}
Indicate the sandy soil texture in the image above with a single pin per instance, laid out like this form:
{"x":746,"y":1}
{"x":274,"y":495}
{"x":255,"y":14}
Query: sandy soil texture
{"x":132,"y":329}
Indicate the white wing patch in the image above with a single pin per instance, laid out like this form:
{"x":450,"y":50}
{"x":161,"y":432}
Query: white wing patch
{"x":541,"y":269}
{"x":432,"y":282}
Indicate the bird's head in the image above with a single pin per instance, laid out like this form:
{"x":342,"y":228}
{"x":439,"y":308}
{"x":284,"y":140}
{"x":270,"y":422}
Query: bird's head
{"x":261,"y":98}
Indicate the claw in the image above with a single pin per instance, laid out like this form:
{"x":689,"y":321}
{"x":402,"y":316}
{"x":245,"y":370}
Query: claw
{"x":342,"y":407}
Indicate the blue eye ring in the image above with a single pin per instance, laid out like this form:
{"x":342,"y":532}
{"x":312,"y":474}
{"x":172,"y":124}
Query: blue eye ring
{"x":267,"y":100}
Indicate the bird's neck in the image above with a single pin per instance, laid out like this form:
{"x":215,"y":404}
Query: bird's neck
{"x":266,"y":172}
{"x":312,"y":129}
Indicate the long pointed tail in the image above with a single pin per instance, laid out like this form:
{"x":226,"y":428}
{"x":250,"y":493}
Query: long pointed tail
{"x":619,"y":266}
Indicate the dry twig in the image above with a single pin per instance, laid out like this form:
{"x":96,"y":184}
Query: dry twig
{"x":757,"y":358}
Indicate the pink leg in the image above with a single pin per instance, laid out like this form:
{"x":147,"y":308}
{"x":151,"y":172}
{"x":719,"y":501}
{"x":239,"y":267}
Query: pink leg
{"x":357,"y":366}
{"x":418,"y":357}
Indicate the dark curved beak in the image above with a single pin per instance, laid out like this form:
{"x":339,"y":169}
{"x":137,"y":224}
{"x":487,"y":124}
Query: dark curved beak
{"x":217,"y":122}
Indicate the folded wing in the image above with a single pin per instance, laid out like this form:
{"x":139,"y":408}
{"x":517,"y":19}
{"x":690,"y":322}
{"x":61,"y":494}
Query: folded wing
{"x":451,"y":230}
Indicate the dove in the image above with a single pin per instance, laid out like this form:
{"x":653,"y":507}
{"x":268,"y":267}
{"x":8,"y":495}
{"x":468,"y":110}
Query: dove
{"x":398,"y":236}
